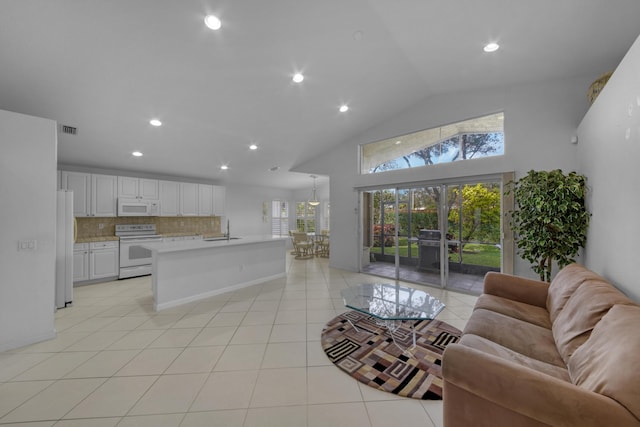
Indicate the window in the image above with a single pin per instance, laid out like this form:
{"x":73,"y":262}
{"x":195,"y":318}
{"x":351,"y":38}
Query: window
{"x":326,"y":223}
{"x":469,"y":139}
{"x":305,"y":217}
{"x":279,"y":218}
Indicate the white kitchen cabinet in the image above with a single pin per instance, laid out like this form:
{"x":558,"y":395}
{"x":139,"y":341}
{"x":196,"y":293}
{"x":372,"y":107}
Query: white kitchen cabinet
{"x":188,"y":199}
{"x":138,"y":188}
{"x":219,"y":200}
{"x":93,"y":194}
{"x":95,"y":260}
{"x":80,"y":184}
{"x":103,"y":195}
{"x":80,"y":262}
{"x":103,"y":260}
{"x":169,"y":198}
{"x":205,"y":200}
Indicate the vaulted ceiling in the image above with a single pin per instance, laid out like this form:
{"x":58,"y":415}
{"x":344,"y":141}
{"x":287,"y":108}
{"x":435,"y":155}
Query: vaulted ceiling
{"x":107,"y":67}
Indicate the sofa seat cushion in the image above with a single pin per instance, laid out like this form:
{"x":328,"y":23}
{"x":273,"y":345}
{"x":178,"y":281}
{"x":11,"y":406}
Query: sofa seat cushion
{"x":491,"y":347}
{"x":583,"y":310}
{"x":565,"y":284}
{"x":518,"y":310}
{"x":522,"y":337}
{"x":607,"y":363}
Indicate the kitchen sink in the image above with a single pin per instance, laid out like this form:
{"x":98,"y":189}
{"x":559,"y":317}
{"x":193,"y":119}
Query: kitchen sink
{"x":216,"y":239}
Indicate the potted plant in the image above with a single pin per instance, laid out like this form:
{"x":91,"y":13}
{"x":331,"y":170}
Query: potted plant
{"x":550,"y":220}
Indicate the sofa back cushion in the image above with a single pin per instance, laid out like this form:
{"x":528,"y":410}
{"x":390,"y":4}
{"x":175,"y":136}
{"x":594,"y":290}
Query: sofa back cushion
{"x":564,"y":285}
{"x":607,"y":363}
{"x":583,"y":310}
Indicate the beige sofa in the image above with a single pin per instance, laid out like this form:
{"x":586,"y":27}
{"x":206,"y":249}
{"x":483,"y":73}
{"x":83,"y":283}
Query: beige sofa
{"x":534,"y":354}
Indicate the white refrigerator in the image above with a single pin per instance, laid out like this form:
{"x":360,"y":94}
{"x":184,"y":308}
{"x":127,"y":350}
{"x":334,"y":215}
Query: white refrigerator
{"x":65,"y":237}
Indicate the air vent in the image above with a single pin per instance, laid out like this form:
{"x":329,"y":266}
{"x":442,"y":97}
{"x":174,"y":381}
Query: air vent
{"x":69,"y":130}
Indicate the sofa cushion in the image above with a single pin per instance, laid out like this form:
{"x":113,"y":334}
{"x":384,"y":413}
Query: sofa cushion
{"x":583,"y":310}
{"x":523,"y":337}
{"x":607,"y":363}
{"x":491,"y":347}
{"x":529,"y":313}
{"x":564,"y":285}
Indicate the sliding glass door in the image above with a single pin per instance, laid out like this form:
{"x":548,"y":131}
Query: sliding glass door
{"x":440,"y":235}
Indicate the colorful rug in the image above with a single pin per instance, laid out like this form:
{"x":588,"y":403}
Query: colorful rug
{"x":389,"y":363}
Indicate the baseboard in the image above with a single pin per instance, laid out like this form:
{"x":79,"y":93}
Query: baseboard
{"x":23,"y":341}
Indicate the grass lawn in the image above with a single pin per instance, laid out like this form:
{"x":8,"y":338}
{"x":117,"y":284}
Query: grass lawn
{"x":473,"y":254}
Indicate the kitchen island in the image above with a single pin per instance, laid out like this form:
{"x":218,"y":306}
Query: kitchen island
{"x":186,"y":271}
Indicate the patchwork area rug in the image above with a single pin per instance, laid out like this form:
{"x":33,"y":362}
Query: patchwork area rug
{"x":370,"y":355}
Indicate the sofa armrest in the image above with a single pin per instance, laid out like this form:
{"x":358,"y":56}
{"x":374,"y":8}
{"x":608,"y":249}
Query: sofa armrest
{"x":521,"y":289}
{"x":525,"y":391}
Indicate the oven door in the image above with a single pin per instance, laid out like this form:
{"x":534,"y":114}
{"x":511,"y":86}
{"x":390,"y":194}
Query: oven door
{"x":133,"y":254}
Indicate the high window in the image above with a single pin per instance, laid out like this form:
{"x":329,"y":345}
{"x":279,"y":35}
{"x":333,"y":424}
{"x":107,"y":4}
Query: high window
{"x":469,"y":139}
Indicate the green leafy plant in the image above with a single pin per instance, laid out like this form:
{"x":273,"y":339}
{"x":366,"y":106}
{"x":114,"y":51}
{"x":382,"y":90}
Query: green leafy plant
{"x":550,"y":220}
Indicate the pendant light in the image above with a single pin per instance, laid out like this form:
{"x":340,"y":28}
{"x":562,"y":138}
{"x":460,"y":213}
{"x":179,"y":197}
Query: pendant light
{"x":314,"y":198}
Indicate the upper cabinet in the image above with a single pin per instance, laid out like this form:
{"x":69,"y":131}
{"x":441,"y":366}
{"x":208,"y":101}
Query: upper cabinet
{"x":178,"y":198}
{"x":169,"y":198}
{"x":97,"y":195}
{"x":80,"y":184}
{"x":205,"y":200}
{"x":138,"y":188}
{"x":103,"y":195}
{"x":219,"y":200}
{"x":188,"y":199}
{"x":93,"y":194}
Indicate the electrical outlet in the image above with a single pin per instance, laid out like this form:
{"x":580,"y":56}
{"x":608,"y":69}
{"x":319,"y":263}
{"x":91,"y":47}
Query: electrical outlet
{"x":100,"y":226}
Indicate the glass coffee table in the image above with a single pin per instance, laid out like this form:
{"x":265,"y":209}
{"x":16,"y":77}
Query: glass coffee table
{"x":391,"y":304}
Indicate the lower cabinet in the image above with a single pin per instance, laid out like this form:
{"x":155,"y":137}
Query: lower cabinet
{"x":80,"y":262}
{"x":95,"y":260}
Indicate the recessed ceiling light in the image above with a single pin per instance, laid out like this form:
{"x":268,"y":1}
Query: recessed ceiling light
{"x":137,"y":154}
{"x":224,"y":167}
{"x":398,"y":142}
{"x":298,"y":78}
{"x":212,"y":22}
{"x":253,"y":147}
{"x":344,"y":108}
{"x":491,"y":47}
{"x":155,"y":122}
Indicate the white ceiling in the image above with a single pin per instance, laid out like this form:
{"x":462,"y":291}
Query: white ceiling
{"x":108,"y":66}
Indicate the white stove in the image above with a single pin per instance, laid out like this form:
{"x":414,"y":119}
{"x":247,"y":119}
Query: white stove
{"x":134,"y":259}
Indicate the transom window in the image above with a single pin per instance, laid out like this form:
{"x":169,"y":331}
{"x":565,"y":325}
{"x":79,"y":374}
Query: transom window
{"x":469,"y":139}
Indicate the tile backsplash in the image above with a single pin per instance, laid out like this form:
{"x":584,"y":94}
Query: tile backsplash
{"x":89,"y":227}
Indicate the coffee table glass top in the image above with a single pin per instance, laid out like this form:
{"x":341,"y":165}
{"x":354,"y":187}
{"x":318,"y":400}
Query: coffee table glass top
{"x":392,"y":302}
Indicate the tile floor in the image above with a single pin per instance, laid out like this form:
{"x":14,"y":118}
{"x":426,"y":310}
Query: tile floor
{"x":245,"y":358}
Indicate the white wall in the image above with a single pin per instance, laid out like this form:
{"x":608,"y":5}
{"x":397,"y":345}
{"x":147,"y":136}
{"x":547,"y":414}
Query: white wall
{"x":540,"y":120}
{"x":609,"y":142}
{"x":28,"y":194}
{"x":244,"y":208}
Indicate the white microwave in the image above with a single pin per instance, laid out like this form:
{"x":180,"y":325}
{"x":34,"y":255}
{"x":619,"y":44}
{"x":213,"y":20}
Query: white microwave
{"x":138,"y":207}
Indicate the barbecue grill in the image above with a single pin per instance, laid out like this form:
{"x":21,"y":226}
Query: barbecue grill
{"x":429,"y":250}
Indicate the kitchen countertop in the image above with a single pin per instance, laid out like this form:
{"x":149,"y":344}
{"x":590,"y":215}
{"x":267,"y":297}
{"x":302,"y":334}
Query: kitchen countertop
{"x":116,"y":238}
{"x":187,"y":245}
{"x":97,"y":239}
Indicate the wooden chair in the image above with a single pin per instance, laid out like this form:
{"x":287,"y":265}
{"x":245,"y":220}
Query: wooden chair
{"x":302,"y":246}
{"x":322,"y":244}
